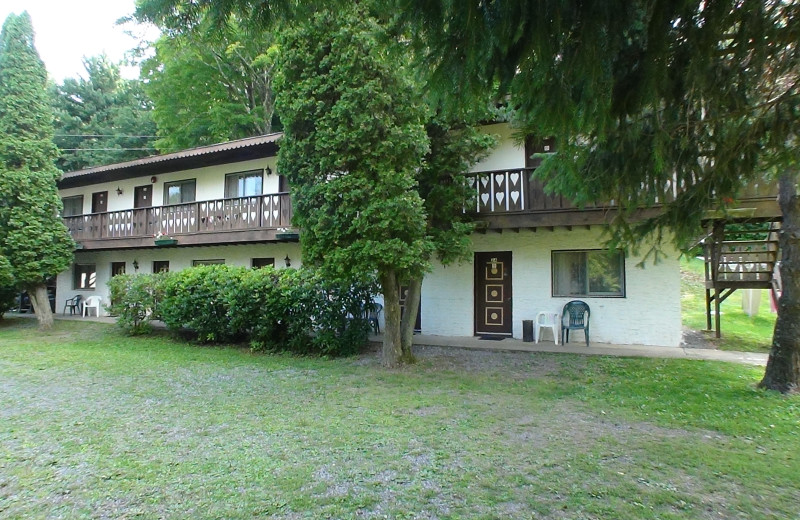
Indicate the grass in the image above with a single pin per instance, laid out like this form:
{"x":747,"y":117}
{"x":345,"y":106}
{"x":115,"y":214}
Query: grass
{"x":97,"y":425}
{"x":739,"y":331}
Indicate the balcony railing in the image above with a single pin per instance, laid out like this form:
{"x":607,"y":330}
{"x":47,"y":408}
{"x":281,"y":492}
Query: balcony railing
{"x":518,"y":191}
{"x":210,"y":216}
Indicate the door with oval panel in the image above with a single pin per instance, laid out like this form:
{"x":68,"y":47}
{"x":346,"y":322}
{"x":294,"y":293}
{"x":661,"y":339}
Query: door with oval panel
{"x":493,"y":293}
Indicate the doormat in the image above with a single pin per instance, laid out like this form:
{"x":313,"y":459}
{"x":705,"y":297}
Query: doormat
{"x":489,"y":337}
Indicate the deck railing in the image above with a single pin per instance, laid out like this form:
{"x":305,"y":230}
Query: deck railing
{"x":244,"y":213}
{"x":518,"y":190}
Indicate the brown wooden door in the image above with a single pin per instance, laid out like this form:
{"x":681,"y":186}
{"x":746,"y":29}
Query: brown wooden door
{"x":418,"y":321}
{"x":100,"y":202}
{"x":143,"y":196}
{"x":493,"y":293}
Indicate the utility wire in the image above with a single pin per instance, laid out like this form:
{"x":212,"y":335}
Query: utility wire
{"x":103,"y":135}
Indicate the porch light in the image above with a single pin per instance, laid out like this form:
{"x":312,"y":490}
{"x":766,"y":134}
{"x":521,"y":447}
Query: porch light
{"x":288,"y":261}
{"x":135,"y":265}
{"x":119,"y":190}
{"x":268,"y":171}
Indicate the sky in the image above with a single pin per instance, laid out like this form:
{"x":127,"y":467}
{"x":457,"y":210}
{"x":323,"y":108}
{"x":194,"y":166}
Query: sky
{"x":68,"y":30}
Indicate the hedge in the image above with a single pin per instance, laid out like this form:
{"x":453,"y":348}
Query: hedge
{"x":288,"y":309}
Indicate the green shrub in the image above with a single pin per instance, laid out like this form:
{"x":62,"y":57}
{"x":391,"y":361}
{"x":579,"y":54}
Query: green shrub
{"x":199,"y":299}
{"x":136,"y":300}
{"x":293,"y":310}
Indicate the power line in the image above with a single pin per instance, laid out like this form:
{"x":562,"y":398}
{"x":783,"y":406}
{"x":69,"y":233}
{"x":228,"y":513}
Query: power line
{"x":102,"y":135}
{"x":104,"y":149}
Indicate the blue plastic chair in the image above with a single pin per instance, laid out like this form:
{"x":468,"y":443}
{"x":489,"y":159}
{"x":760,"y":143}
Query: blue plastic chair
{"x":575,"y":316}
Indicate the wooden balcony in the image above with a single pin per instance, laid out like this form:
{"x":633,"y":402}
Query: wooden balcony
{"x":516,"y":199}
{"x":210,"y":222}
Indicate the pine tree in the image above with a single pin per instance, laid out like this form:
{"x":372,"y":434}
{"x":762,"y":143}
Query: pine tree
{"x":33,"y":238}
{"x":354,"y":140}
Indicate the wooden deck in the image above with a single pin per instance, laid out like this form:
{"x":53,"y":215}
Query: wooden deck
{"x":210,"y":222}
{"x":516,"y":199}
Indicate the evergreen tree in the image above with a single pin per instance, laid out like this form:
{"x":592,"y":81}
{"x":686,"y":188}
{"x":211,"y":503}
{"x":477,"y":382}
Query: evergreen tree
{"x":354,"y":139}
{"x":99,"y":119}
{"x":33,"y":239}
{"x":651,"y":101}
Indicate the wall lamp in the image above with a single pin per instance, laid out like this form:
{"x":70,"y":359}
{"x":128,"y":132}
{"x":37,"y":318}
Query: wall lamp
{"x":135,"y":265}
{"x":119,"y":190}
{"x":288,"y":261}
{"x":268,"y":171}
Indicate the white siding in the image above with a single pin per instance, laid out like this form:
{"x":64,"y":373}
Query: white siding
{"x":508,"y":154}
{"x":649,"y":314}
{"x":210,"y":184}
{"x":179,"y":258}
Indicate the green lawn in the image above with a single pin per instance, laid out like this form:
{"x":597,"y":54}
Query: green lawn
{"x":97,"y":425}
{"x":739,"y":331}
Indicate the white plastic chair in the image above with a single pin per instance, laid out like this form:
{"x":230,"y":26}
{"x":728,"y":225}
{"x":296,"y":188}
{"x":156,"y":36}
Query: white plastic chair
{"x":547,"y":320}
{"x":92,"y":302}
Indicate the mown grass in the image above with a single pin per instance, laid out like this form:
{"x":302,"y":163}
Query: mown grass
{"x":739,"y":331}
{"x":97,"y":425}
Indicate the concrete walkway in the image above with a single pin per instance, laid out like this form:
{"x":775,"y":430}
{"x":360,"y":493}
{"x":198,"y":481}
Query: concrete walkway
{"x":596,"y":349}
{"x":515,"y":345}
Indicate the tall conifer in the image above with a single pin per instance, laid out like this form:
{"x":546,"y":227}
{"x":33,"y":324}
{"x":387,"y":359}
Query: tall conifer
{"x":33,"y":237}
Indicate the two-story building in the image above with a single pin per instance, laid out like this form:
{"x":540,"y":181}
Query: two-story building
{"x":227,"y":203}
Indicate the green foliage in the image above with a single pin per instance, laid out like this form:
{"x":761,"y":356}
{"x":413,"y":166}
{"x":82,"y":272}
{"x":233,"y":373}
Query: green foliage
{"x":642,"y":97}
{"x":295,"y":310}
{"x":455,"y":146}
{"x":199,"y":299}
{"x":100,"y":117}
{"x":353,"y":143}
{"x":211,"y":84}
{"x":33,"y":238}
{"x":135,"y":300}
{"x":8,"y":290}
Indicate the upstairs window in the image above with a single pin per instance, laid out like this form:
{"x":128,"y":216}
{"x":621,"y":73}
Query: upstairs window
{"x":179,"y":192}
{"x":595,"y":273}
{"x":244,"y":184}
{"x":73,"y":206}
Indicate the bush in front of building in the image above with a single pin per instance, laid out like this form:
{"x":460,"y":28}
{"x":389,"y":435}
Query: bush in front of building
{"x":292,"y":310}
{"x":135,"y":300}
{"x":200,"y":299}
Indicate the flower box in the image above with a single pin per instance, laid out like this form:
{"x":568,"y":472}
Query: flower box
{"x":165,"y":241}
{"x":288,"y":236}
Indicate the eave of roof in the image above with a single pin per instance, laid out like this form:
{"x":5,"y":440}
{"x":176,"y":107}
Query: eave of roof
{"x":227,"y":152}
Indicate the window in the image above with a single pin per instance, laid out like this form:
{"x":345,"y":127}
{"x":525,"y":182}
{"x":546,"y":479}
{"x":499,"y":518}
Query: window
{"x":588,"y":273}
{"x":72,"y":206}
{"x":117,"y":268}
{"x":160,"y":266}
{"x":179,"y":192}
{"x":219,"y":261}
{"x":84,"y":276}
{"x":244,"y":184}
{"x":258,"y":263}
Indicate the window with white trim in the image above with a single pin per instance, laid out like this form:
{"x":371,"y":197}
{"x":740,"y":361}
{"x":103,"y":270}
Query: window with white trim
{"x":244,"y":184}
{"x":589,"y":273}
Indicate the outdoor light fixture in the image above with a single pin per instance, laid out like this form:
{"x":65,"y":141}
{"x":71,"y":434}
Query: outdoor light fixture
{"x":288,"y":261}
{"x":135,"y":265}
{"x":268,"y":171}
{"x":119,"y":190}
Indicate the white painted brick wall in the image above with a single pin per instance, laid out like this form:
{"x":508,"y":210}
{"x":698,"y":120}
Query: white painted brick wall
{"x":650,"y":314}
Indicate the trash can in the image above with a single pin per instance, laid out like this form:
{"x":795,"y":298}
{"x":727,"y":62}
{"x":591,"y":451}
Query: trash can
{"x":527,"y":330}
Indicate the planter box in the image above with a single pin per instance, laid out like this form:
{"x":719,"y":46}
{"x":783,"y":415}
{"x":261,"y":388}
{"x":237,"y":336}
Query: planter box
{"x":288,"y":237}
{"x":165,"y":241}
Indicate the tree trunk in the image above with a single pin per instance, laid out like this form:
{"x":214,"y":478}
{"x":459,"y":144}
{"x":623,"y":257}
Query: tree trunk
{"x":410,"y":318}
{"x":783,"y":367}
{"x":392,"y":352}
{"x":41,"y":306}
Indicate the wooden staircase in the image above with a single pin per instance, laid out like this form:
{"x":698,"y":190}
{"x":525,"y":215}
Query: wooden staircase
{"x":739,"y":254}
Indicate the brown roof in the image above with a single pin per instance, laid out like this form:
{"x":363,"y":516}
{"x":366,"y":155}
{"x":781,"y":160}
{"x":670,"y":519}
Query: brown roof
{"x":228,"y":152}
